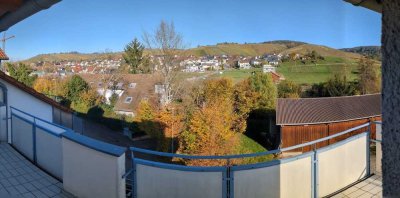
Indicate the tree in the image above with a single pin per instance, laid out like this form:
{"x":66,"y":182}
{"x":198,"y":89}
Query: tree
{"x":245,"y":100}
{"x":171,"y":122}
{"x":22,"y":73}
{"x":210,"y":129}
{"x":265,"y":87}
{"x":45,"y":86}
{"x":87,"y":99}
{"x":134,"y":57}
{"x":339,"y":86}
{"x":288,"y":89}
{"x":74,"y":87}
{"x":146,"y":120}
{"x":166,"y":44}
{"x":369,"y":80}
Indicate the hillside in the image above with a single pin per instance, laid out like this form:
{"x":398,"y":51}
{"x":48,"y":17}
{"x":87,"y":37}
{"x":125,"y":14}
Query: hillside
{"x":371,"y":51}
{"x":73,"y":57}
{"x":323,"y":51}
{"x":283,"y":46}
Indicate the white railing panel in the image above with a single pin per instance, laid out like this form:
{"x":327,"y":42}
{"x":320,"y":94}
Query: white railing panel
{"x":341,"y":164}
{"x":22,"y":136}
{"x":259,"y":182}
{"x":49,"y":152}
{"x":296,"y":178}
{"x":168,"y":183}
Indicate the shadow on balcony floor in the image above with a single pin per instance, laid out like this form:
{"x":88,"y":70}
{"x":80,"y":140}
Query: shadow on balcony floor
{"x":20,"y":178}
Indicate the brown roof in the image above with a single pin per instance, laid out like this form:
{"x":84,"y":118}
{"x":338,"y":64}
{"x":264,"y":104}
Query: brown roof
{"x":34,"y":93}
{"x":144,"y":88}
{"x":3,"y":55}
{"x":325,"y":110}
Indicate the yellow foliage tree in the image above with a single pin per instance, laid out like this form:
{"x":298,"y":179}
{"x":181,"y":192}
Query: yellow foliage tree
{"x":210,"y":128}
{"x":171,"y":124}
{"x":45,"y":86}
{"x":146,"y":119}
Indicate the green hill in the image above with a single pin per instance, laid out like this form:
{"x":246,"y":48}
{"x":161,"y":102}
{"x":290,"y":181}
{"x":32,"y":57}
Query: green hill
{"x":254,"y":49}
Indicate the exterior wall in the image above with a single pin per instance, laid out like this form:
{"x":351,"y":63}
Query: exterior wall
{"x":391,"y":97}
{"x":294,"y":135}
{"x":26,"y":102}
{"x":88,"y":172}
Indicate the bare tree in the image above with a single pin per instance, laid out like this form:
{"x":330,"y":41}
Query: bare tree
{"x":166,"y":45}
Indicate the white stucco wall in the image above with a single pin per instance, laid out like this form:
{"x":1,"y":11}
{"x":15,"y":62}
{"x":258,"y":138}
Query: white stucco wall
{"x":24,"y":101}
{"x":89,"y":173}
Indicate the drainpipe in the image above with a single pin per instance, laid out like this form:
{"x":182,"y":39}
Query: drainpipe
{"x":29,"y":8}
{"x":375,"y":5}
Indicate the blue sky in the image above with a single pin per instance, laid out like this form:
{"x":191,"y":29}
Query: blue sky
{"x":99,"y":25}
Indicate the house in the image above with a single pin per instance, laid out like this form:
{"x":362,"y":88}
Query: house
{"x":268,"y":68}
{"x":306,"y":119}
{"x":130,"y":89}
{"x":243,"y":64}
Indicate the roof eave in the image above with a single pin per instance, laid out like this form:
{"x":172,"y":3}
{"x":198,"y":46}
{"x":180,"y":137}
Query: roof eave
{"x":374,"y":5}
{"x":27,"y":9}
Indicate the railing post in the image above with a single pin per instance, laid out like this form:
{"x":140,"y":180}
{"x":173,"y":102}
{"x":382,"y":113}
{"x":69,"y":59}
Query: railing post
{"x":134,"y":186}
{"x":314,"y":173}
{"x":229,"y":180}
{"x":368,"y":153}
{"x":34,"y":139}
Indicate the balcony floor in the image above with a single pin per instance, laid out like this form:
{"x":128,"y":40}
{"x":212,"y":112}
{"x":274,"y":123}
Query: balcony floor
{"x":20,"y":178}
{"x":371,"y":187}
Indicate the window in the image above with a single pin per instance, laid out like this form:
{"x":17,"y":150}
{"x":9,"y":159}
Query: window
{"x":119,"y":85}
{"x":128,"y":100}
{"x":159,"y":89}
{"x":132,"y":85}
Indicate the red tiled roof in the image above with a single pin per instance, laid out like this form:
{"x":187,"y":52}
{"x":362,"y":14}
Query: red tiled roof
{"x":3,"y":56}
{"x":33,"y":92}
{"x":303,"y":111}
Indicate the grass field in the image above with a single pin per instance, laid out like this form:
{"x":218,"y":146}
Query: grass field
{"x":321,"y":71}
{"x":236,"y":74}
{"x":301,"y":73}
{"x":247,"y":145}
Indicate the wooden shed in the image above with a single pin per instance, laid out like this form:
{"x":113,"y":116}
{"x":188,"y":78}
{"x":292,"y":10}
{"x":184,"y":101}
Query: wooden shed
{"x":306,"y":119}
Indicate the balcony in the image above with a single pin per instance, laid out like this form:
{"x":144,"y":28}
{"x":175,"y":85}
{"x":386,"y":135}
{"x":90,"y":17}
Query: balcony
{"x":44,"y":159}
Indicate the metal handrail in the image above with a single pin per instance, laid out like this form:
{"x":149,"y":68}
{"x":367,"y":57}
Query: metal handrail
{"x":140,"y":150}
{"x":40,"y":119}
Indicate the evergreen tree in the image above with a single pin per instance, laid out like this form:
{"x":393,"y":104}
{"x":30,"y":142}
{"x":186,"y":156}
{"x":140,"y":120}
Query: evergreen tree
{"x":134,"y":57}
{"x":22,"y":73}
{"x":369,"y":80}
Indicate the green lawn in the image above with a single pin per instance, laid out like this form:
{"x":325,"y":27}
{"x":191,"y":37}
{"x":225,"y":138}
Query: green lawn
{"x":247,"y":145}
{"x":236,"y":74}
{"x":309,"y":73}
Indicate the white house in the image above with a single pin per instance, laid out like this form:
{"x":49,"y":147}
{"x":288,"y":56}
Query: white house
{"x":243,"y":65}
{"x":268,"y":68}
